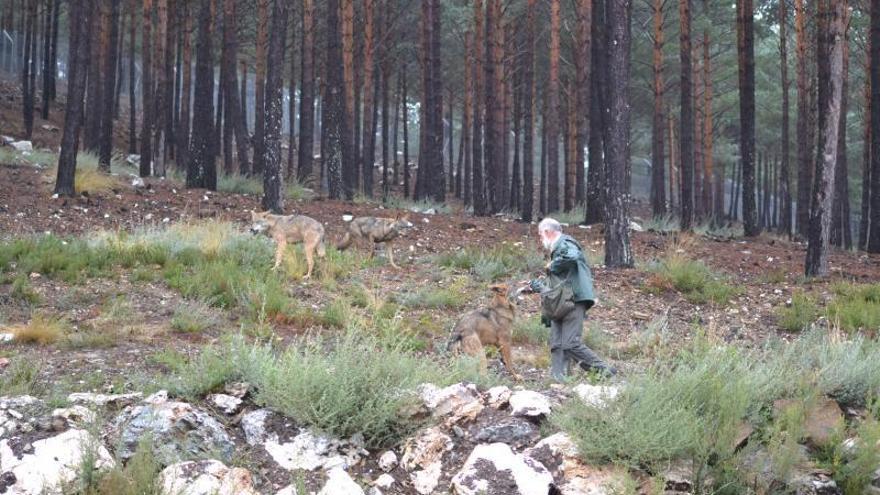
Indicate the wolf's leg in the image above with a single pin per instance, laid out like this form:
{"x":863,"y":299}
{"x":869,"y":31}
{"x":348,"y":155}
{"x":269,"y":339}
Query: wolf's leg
{"x":279,"y":251}
{"x":309,"y":248}
{"x":507,"y":357}
{"x":390,"y":250}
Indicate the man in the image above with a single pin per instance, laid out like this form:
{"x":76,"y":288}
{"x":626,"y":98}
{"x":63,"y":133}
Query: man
{"x":568,"y":265}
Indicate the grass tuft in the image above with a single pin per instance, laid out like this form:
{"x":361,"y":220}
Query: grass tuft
{"x":693,"y":279}
{"x":42,"y":329}
{"x":490,"y":265}
{"x":856,"y":307}
{"x":800,"y":314}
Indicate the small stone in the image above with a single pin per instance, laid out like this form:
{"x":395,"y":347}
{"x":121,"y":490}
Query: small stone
{"x":388,"y":461}
{"x":595,"y":395}
{"x":340,"y":483}
{"x":384,"y":481}
{"x":226,"y":403}
{"x":498,"y":397}
{"x":529,"y":403}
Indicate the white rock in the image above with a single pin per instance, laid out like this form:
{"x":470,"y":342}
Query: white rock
{"x":425,"y":481}
{"x":430,"y":211}
{"x":596,"y":395}
{"x":205,"y":478}
{"x":558,"y":444}
{"x":54,"y":462}
{"x":254,"y":426}
{"x":117,"y":400}
{"x":384,"y":481}
{"x":138,"y":183}
{"x":19,"y":402}
{"x":340,"y":483}
{"x":76,"y":413}
{"x":494,"y":469}
{"x":309,"y":451}
{"x":529,"y":403}
{"x":388,"y":461}
{"x":498,"y":397}
{"x":287,"y":490}
{"x":226,"y":403}
{"x":22,"y":146}
{"x":159,"y":397}
{"x":448,"y":400}
{"x":635,"y":227}
{"x":425,"y":449}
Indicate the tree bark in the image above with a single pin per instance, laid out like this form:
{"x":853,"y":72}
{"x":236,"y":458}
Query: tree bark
{"x":618,"y":252}
{"x":273,"y":198}
{"x":528,"y":193}
{"x":708,"y":135}
{"x":405,"y":76}
{"x":785,"y":170}
{"x":260,"y":85}
{"x":202,"y":167}
{"x":686,"y":154}
{"x":307,"y":94}
{"x":349,"y":168}
{"x":99,"y":39}
{"x":552,"y":113}
{"x":233,"y":120}
{"x":820,"y":214}
{"x":479,"y":199}
{"x":746,"y":49}
{"x":864,"y":221}
{"x":804,"y":137}
{"x":184,"y":125}
{"x":81,"y":19}
{"x":595,"y":208}
{"x":109,"y":56}
{"x":146,"y":161}
{"x":841,"y":231}
{"x":874,"y":67}
{"x":132,"y":99}
{"x":658,"y":167}
{"x":369,"y":136}
{"x":333,"y":109}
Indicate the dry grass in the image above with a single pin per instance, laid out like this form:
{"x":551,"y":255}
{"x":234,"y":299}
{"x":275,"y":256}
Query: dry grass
{"x":42,"y":329}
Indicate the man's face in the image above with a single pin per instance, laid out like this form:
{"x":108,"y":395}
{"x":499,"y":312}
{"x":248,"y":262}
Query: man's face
{"x":547,"y":239}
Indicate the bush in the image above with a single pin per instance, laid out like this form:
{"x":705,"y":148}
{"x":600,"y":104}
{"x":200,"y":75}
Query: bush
{"x":22,"y":290}
{"x":800,"y":314}
{"x":500,"y":262}
{"x":356,"y":384}
{"x":856,"y":307}
{"x":451,"y":296}
{"x":42,"y":329}
{"x":194,"y":317}
{"x":693,"y":279}
{"x":530,"y":331}
{"x":20,"y":377}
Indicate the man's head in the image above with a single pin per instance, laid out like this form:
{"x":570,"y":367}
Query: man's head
{"x":549,"y":230}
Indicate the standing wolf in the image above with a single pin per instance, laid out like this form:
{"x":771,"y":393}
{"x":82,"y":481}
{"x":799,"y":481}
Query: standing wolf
{"x":293,"y":229}
{"x":376,"y":230}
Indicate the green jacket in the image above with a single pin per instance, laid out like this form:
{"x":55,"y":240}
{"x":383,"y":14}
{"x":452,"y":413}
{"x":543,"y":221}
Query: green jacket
{"x":567,"y":262}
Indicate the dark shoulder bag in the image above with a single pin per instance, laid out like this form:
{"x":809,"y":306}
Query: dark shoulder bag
{"x":556,"y":299}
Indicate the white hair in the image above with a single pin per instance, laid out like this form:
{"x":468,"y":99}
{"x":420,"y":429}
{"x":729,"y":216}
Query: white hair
{"x":549,"y":224}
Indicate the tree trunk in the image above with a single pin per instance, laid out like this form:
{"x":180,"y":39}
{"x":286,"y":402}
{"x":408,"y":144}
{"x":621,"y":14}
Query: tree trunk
{"x":404,"y":75}
{"x":552,"y":113}
{"x":290,"y":173}
{"x":132,"y":103}
{"x":785,"y":171}
{"x":47,"y":69}
{"x":874,"y":65}
{"x":146,"y":161}
{"x":260,"y":85}
{"x":202,"y":168}
{"x":94,"y":102}
{"x":595,"y":208}
{"x":804,"y":138}
{"x":864,"y":221}
{"x":841,"y":231}
{"x":686,"y":154}
{"x":183,"y":130}
{"x":273,"y":199}
{"x":820,"y":214}
{"x":658,"y":167}
{"x":333,"y":106}
{"x":369,"y":82}
{"x":349,"y":168}
{"x":582,"y":70}
{"x":618,"y":252}
{"x":708,"y":135}
{"x":106,"y":142}
{"x":234,"y":121}
{"x":528,"y":193}
{"x":746,"y":49}
{"x":307,"y":94}
{"x":463,"y":184}
{"x":81,"y":20}
{"x":53,"y":63}
{"x":479,"y":200}
{"x":29,"y":68}
{"x":386,"y":96}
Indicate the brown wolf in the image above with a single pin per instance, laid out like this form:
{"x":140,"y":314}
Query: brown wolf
{"x":487,"y":326}
{"x":376,"y":230}
{"x":293,"y":229}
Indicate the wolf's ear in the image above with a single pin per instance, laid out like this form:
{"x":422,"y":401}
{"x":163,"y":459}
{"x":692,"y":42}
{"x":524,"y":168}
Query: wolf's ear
{"x":498,"y":288}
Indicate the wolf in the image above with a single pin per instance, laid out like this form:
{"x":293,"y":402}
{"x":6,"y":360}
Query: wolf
{"x":376,"y":230}
{"x":293,"y":229}
{"x":491,"y":325}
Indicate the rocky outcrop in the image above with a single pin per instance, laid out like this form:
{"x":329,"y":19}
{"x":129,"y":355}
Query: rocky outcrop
{"x":209,"y":477}
{"x":494,"y":469}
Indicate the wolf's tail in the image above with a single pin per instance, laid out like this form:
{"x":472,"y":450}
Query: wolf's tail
{"x":343,"y":244}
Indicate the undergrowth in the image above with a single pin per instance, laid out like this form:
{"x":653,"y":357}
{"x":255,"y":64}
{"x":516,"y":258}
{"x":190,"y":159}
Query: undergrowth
{"x":693,"y":279}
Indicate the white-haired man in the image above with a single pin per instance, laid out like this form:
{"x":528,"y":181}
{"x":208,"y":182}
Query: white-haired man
{"x":568,"y":265}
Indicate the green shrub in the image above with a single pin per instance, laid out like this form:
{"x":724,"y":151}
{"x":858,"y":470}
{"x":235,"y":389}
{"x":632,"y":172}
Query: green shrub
{"x":530,"y":331}
{"x":20,"y":377}
{"x":355,"y":384}
{"x":451,"y":296}
{"x":336,"y":314}
{"x":800,"y":314}
{"x":194,"y":317}
{"x":855,"y":465}
{"x":22,"y":290}
{"x":856,"y":307}
{"x":693,"y":279}
{"x":503,"y":261}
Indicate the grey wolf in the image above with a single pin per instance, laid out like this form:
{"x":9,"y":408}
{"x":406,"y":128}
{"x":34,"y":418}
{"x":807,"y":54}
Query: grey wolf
{"x":293,"y":229}
{"x":376,"y":230}
{"x":492,"y":325}
{"x":568,"y":265}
